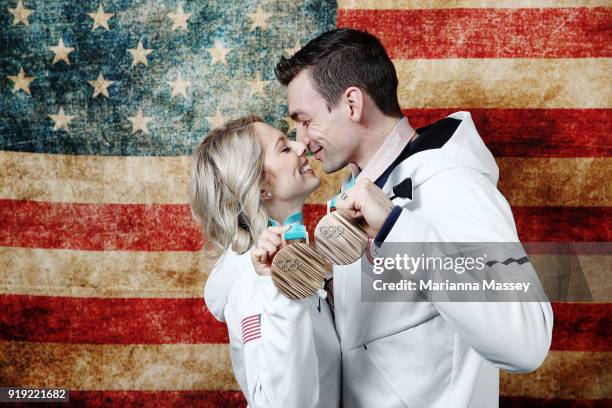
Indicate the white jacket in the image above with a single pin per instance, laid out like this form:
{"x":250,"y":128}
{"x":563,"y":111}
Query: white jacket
{"x":445,"y":354}
{"x":290,"y":356}
{"x":420,"y":354}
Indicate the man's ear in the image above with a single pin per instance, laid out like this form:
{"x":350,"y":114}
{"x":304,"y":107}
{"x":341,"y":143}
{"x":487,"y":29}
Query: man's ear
{"x":354,"y":100}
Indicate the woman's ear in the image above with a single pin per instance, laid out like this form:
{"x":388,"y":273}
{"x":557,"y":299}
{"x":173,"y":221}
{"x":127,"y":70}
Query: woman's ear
{"x":265,"y":194}
{"x":354,"y":100}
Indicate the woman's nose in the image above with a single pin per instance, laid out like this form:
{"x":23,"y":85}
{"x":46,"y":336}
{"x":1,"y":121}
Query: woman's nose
{"x":299,"y":148}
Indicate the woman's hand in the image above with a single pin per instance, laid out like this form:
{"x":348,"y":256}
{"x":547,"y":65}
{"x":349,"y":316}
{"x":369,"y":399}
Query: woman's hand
{"x":268,"y":244}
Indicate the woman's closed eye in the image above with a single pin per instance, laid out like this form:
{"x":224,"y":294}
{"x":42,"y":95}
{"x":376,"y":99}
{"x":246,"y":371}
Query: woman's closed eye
{"x":287,"y":149}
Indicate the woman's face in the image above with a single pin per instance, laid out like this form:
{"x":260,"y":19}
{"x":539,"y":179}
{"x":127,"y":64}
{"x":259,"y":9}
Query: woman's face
{"x":288,"y":175}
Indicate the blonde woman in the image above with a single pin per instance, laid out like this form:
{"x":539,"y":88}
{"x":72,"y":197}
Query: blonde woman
{"x":245,"y":176}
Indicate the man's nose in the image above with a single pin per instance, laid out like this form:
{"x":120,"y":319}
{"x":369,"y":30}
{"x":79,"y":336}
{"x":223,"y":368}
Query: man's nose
{"x":300,"y":136}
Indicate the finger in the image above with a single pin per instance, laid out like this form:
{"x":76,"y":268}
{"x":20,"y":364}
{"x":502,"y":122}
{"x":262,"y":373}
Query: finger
{"x":348,"y":202}
{"x":275,"y":234}
{"x":349,"y":214}
{"x":269,"y":247}
{"x":349,"y":191}
{"x":272,"y":237}
{"x":347,"y":208}
{"x":259,"y":255}
{"x":279,"y":229}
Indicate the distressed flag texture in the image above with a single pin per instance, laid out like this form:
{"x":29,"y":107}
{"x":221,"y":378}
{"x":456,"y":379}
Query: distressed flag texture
{"x":101,"y":104}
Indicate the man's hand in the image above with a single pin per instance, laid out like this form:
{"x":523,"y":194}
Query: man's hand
{"x":367,"y":202}
{"x":268,"y":244}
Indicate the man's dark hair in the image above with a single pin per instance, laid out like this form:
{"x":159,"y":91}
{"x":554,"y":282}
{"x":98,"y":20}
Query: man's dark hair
{"x":342,"y":58}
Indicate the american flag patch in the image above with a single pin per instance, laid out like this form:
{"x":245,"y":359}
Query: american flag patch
{"x":251,"y":328}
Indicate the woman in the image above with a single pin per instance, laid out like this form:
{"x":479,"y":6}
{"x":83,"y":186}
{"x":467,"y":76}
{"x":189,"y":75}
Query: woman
{"x":245,"y":176}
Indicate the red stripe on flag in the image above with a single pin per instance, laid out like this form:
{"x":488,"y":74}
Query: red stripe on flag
{"x":35,"y":224}
{"x":534,"y":132}
{"x":235,"y":399}
{"x":108,"y":321}
{"x":582,"y":327}
{"x":158,"y":399}
{"x":526,"y":402}
{"x":578,"y":326}
{"x":488,"y":33}
{"x":137,"y":227}
{"x":563,"y":224}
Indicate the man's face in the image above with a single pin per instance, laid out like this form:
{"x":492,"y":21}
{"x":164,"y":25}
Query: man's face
{"x":327,"y":134}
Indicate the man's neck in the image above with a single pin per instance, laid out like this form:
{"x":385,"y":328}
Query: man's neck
{"x":373,"y":139}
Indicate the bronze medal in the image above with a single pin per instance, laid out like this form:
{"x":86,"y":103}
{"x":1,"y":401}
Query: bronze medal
{"x":298,"y":269}
{"x":339,"y":240}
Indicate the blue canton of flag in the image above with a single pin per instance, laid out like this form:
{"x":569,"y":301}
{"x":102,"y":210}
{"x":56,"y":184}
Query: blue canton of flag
{"x":143,"y":77}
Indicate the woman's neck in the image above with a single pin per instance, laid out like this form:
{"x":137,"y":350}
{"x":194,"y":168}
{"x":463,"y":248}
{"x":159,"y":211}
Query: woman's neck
{"x":282,"y":211}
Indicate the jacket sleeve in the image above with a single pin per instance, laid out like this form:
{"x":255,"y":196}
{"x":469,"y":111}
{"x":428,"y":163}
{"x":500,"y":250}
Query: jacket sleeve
{"x":514,"y":336}
{"x":281,"y":366}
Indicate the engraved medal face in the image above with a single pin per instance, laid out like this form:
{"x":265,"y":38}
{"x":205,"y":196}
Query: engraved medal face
{"x":298,"y":271}
{"x":340,"y":241}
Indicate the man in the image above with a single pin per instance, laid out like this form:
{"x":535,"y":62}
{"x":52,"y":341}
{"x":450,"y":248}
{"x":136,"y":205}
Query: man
{"x":342,"y":92}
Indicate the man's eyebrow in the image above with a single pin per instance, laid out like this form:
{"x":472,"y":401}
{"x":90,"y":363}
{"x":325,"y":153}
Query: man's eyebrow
{"x":294,"y":115}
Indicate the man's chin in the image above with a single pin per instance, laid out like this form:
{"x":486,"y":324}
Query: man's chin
{"x":329,"y":168}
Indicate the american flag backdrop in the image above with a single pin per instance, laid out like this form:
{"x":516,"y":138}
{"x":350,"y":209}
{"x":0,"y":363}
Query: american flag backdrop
{"x":101,"y":103}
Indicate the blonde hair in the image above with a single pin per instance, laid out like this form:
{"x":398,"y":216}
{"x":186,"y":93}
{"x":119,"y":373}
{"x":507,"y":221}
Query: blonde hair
{"x":226,"y":177}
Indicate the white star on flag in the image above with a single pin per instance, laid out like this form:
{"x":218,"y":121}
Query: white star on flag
{"x":257,"y":85}
{"x":21,"y":81}
{"x":179,"y":86}
{"x":139,"y":122}
{"x":61,"y":120}
{"x":218,"y":53}
{"x":20,"y":14}
{"x":290,"y":124}
{"x":139,"y":54}
{"x":259,"y":18}
{"x":217,"y":120}
{"x":100,"y":85}
{"x":100,"y":18}
{"x":296,"y":48}
{"x":179,"y":18}
{"x":61,"y":52}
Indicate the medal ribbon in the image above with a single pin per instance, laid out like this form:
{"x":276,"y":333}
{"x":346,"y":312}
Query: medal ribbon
{"x":297,"y":230}
{"x":390,"y":150}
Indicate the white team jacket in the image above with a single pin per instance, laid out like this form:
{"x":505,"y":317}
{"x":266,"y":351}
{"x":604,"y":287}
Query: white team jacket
{"x":420,"y":354}
{"x":290,"y":357}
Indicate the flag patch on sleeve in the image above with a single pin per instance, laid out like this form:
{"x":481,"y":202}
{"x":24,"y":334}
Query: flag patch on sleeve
{"x":251,"y":328}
